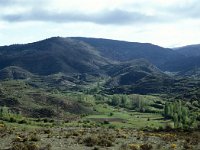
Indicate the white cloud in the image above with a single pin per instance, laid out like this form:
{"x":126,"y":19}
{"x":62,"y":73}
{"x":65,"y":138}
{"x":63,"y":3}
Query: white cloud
{"x":163,"y":22}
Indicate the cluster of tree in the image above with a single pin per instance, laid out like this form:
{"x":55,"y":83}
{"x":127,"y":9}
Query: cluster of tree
{"x":138,"y":103}
{"x":119,"y":100}
{"x":4,"y":112}
{"x":180,"y":114}
{"x":133,"y":102}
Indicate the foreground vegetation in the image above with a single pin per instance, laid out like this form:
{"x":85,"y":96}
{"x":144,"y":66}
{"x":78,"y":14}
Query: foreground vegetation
{"x":44,"y":117}
{"x":29,"y":137}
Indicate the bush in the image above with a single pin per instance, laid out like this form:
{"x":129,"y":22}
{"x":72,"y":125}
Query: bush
{"x":18,"y":146}
{"x":33,"y":146}
{"x":90,"y":141}
{"x":111,"y":114}
{"x":106,"y":122}
{"x":168,"y":127}
{"x":45,"y":120}
{"x":44,"y":112}
{"x":47,"y":131}
{"x":23,"y":121}
{"x":2,"y":125}
{"x":146,"y":147}
{"x":173,"y":146}
{"x":95,"y":148}
{"x":104,"y":141}
{"x":34,"y":137}
{"x":25,"y":146}
{"x":12,"y":120}
{"x":134,"y":146}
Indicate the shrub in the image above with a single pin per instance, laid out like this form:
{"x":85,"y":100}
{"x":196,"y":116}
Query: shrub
{"x":32,"y":146}
{"x":18,"y":146}
{"x":146,"y":147}
{"x":106,"y":122}
{"x":47,"y":131}
{"x":45,"y":120}
{"x":23,"y":121}
{"x":34,"y":137}
{"x":47,"y":147}
{"x":18,"y":139}
{"x":134,"y":146}
{"x":111,"y":114}
{"x":2,"y":125}
{"x":51,"y":121}
{"x":105,"y":142}
{"x":124,"y":147}
{"x":95,"y":148}
{"x":12,"y":119}
{"x":90,"y":141}
{"x":173,"y":146}
{"x":168,"y":127}
{"x":187,"y":146}
{"x":25,"y":146}
{"x":112,"y":126}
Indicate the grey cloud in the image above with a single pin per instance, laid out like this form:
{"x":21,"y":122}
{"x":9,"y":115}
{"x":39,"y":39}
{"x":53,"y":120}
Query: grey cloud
{"x":10,"y":3}
{"x":7,"y":2}
{"x":189,"y":9}
{"x":117,"y":17}
{"x":122,"y":17}
{"x":107,"y":17}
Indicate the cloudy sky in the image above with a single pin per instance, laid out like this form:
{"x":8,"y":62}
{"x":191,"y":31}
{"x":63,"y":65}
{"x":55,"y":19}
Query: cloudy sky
{"x":168,"y":23}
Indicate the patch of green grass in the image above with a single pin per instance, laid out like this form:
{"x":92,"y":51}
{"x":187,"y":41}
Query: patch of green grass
{"x":129,"y":119}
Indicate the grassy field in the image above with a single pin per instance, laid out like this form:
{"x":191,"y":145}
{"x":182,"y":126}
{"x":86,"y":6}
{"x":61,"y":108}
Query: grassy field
{"x":120,"y":118}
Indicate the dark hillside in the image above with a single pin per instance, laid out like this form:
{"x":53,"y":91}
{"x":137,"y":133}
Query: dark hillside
{"x":52,"y":56}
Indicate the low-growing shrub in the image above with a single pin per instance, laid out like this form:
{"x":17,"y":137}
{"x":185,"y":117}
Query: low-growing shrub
{"x":105,"y":142}
{"x":101,"y":140}
{"x":12,"y":120}
{"x":45,"y":120}
{"x":111,"y":114}
{"x":34,"y":137}
{"x":47,"y":131}
{"x":95,"y":148}
{"x":134,"y":146}
{"x":106,"y":122}
{"x":23,"y":121}
{"x":173,"y":146}
{"x":25,"y":146}
{"x":90,"y":141}
{"x":124,"y":147}
{"x":146,"y":147}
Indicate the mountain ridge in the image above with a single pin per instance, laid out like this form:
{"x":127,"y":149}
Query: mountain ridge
{"x":79,"y":55}
{"x":126,"y":51}
{"x":51,"y":56}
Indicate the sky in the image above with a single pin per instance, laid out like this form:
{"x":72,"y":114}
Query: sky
{"x":168,"y":23}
